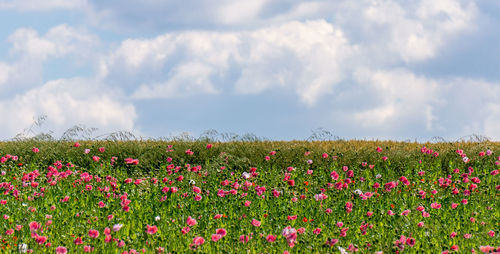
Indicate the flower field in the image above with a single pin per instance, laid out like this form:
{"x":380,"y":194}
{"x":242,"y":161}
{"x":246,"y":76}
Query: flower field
{"x":249,"y":197}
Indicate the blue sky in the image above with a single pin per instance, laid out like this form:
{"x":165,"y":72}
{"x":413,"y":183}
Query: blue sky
{"x":368,"y":69}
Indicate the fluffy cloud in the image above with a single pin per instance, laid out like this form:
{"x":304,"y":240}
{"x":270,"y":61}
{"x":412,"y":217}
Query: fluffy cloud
{"x":30,"y":52}
{"x":398,"y":100}
{"x":57,"y":42}
{"x":416,"y":32}
{"x":4,"y":72}
{"x":353,"y":58}
{"x":401,"y":97}
{"x":46,"y":5}
{"x":67,"y":102}
{"x":309,"y":58}
{"x":306,"y":57}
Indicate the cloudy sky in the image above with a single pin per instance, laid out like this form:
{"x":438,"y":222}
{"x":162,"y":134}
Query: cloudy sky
{"x":374,"y":69}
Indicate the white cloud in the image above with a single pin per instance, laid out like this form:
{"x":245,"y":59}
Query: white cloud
{"x":398,"y":101}
{"x":31,"y":53}
{"x":67,"y":102}
{"x":239,"y":12}
{"x":472,"y":106}
{"x":4,"y":72}
{"x":399,"y":97}
{"x":492,"y":120}
{"x":186,"y":79}
{"x":57,"y":42}
{"x":317,"y":50}
{"x":417,"y":31}
{"x":36,"y":5}
{"x":306,"y":57}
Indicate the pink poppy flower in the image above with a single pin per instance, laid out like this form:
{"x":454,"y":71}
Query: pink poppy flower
{"x":120,"y":244}
{"x":491,"y":233}
{"x":197,"y":241}
{"x":244,"y":238}
{"x":190,"y":221}
{"x":435,"y":206}
{"x":216,"y":237}
{"x":271,"y":238}
{"x":34,"y":225}
{"x":256,"y":223}
{"x":93,"y":233}
{"x":221,"y":231}
{"x":317,"y":231}
{"x":486,"y":249}
{"x":405,"y":213}
{"x":185,"y":230}
{"x":78,"y":241}
{"x":117,"y":227}
{"x":40,"y":239}
{"x":61,"y":250}
{"x":151,"y":229}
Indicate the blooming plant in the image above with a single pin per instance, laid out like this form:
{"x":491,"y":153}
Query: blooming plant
{"x":216,"y":197}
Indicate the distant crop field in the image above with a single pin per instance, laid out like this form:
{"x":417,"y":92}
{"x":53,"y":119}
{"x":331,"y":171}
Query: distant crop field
{"x":249,"y":197}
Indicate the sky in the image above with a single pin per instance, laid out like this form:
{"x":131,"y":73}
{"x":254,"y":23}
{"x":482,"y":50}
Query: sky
{"x":280,"y":69}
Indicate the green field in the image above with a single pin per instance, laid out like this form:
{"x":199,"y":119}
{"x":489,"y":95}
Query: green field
{"x":249,"y":197}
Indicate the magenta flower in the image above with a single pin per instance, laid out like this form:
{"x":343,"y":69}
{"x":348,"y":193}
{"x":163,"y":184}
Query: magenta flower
{"x":216,"y":237}
{"x":435,"y":206}
{"x":271,"y":238}
{"x":197,"y":241}
{"x":244,"y":238}
{"x":256,"y":223}
{"x":221,"y":231}
{"x":151,"y":229}
{"x":93,"y":233}
{"x":61,"y":250}
{"x":491,"y":233}
{"x":78,"y":241}
{"x":190,"y":221}
{"x":317,"y":231}
{"x":34,"y":225}
{"x":117,"y":227}
{"x":185,"y":230}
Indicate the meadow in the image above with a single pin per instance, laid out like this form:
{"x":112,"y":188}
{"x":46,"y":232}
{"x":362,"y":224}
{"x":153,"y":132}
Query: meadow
{"x":249,"y":197}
